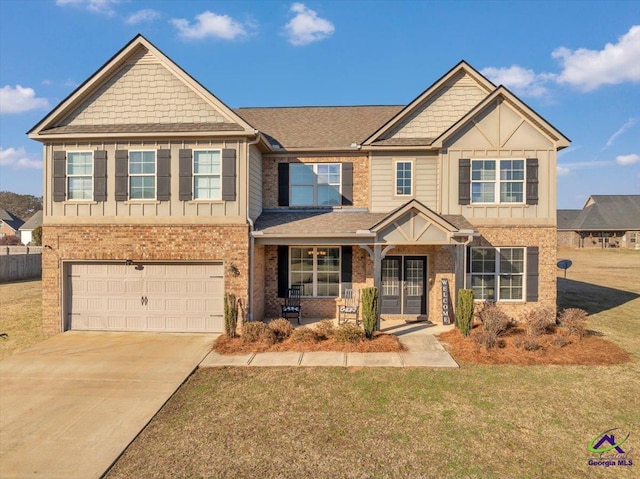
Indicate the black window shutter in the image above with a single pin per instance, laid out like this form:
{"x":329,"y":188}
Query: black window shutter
{"x":464,"y":181}
{"x":122,"y":175}
{"x":283,"y":271}
{"x":228,"y":174}
{"x":532,"y":181}
{"x":100,"y":175}
{"x":59,"y":175}
{"x":346,"y":264}
{"x":163,"y":175}
{"x":532,"y":273}
{"x":347,"y":184}
{"x":186,"y":174}
{"x":283,"y":184}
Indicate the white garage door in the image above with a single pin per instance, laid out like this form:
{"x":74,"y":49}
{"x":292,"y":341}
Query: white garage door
{"x":147,"y":297}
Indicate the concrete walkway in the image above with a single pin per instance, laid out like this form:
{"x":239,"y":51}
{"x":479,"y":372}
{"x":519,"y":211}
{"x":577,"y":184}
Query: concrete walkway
{"x":424,"y":350}
{"x":70,"y":405}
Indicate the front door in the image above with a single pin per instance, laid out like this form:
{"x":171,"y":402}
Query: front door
{"x":404,"y":285}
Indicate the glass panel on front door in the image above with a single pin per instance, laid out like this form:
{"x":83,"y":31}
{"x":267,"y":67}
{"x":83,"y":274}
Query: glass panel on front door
{"x":403,"y":285}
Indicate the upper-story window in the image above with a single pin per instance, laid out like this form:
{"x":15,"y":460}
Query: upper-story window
{"x":207,"y":174}
{"x":404,"y":178}
{"x":142,"y":175}
{"x":80,"y":175}
{"x":497,"y":181}
{"x":315,"y":184}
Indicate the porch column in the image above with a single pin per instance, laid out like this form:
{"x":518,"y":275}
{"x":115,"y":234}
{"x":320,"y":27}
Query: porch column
{"x":377,"y":277}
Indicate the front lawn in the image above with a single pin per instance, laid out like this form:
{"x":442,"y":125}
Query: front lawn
{"x":478,"y":421}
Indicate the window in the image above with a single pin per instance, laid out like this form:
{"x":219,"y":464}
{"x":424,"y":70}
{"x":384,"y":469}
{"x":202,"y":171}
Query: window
{"x":404,"y":178}
{"x":142,"y":175}
{"x":633,"y":237}
{"x":487,"y":185}
{"x":80,"y":175}
{"x":315,"y":184}
{"x":207,"y":175}
{"x":497,"y":274}
{"x":316,"y":270}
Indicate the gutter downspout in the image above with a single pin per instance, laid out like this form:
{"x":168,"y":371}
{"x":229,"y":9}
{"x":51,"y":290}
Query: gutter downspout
{"x":251,"y":225}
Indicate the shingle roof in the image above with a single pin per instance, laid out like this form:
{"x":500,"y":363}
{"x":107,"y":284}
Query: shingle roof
{"x":330,"y":222}
{"x":143,"y":128}
{"x":609,"y":212}
{"x":10,"y":219}
{"x":33,"y":222}
{"x":567,"y":218}
{"x":318,"y":126}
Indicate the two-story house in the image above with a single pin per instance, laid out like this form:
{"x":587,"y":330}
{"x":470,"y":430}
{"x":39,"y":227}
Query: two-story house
{"x":159,"y":198}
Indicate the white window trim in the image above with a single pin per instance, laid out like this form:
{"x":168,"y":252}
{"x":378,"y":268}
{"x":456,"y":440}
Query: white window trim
{"x":395,"y":177}
{"x":496,"y":274}
{"x":155,"y":176}
{"x":497,"y":182}
{"x":194,"y":175}
{"x":315,"y":269}
{"x":79,"y":200}
{"x":315,"y":185}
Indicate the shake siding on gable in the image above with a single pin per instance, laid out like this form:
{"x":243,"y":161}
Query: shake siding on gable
{"x":255,"y":183}
{"x":425,"y":182}
{"x":152,"y":211}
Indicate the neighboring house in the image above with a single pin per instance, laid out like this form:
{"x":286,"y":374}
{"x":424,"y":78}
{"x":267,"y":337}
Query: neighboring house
{"x":605,"y":221}
{"x":26,"y":230}
{"x":159,"y":198}
{"x":9,"y":224}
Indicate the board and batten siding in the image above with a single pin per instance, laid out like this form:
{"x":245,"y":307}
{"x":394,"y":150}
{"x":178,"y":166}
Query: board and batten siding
{"x":147,"y":210}
{"x":425,"y":181}
{"x":255,"y":182}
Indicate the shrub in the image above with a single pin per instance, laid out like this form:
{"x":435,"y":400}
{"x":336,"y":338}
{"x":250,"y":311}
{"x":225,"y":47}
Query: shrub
{"x":230,"y":315}
{"x":369,"y":311}
{"x":325,"y":329}
{"x":494,"y":323}
{"x":36,"y":236}
{"x":560,"y":341}
{"x":10,"y":240}
{"x":349,"y":333}
{"x":574,"y":321}
{"x":528,"y":344}
{"x":464,"y":311}
{"x":485,"y":339}
{"x":281,"y":327}
{"x":537,"y":321}
{"x":305,"y":335}
{"x":257,"y":331}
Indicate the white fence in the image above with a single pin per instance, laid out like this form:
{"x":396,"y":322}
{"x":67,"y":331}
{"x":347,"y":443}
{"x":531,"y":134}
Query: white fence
{"x":20,"y":262}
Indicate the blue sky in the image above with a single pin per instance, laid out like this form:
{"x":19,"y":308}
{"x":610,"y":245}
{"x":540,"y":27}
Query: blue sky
{"x":576,"y":63}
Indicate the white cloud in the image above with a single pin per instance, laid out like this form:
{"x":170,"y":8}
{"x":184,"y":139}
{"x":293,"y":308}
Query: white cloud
{"x":625,"y":160}
{"x":19,"y":99}
{"x":97,"y":6}
{"x":209,"y":24}
{"x":306,"y":26}
{"x":146,"y":15}
{"x":17,"y":159}
{"x":563,"y":171}
{"x":590,"y":69}
{"x":522,"y":81}
{"x":630,"y":122}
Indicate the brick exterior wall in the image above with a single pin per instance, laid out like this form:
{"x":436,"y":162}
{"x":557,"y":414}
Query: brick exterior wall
{"x":227,"y":243}
{"x":360,"y":176}
{"x":545,"y":238}
{"x":568,"y":239}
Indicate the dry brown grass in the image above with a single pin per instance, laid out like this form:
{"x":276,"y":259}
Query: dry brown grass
{"x":381,"y":343}
{"x":20,"y":316}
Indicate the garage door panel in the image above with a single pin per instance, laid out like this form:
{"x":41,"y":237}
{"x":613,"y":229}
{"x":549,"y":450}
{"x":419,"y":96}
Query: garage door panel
{"x":179,"y":297}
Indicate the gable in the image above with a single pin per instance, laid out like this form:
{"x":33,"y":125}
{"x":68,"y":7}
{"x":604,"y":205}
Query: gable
{"x":442,"y":109}
{"x":143,"y":91}
{"x":499,"y":126}
{"x":414,"y":228}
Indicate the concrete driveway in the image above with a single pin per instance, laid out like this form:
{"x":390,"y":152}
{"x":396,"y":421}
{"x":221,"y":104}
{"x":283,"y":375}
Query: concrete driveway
{"x":70,"y":405}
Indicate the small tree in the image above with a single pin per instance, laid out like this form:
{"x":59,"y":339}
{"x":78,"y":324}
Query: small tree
{"x":11,"y":240}
{"x":369,"y":310}
{"x":36,"y":236}
{"x":464,"y":311}
{"x":230,"y":315}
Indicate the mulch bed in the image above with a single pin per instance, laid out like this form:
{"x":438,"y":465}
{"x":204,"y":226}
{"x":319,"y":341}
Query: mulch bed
{"x":591,"y":350}
{"x":381,"y":343}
